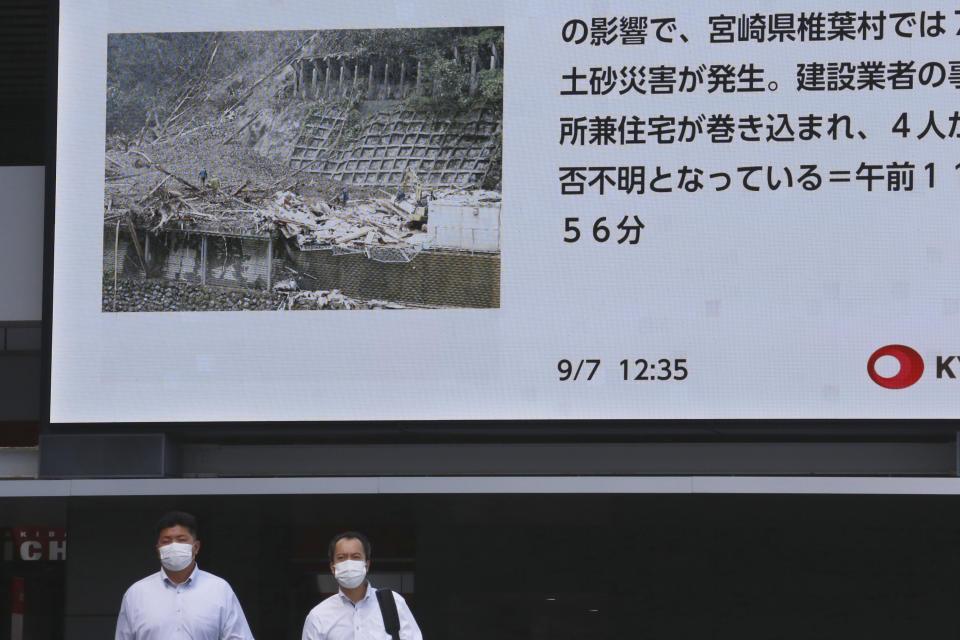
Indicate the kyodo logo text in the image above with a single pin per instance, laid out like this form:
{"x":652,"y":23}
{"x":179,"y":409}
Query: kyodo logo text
{"x":910,"y":367}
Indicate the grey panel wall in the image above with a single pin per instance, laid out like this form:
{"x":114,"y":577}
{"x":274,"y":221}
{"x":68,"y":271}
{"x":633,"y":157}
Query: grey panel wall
{"x":803,"y":458}
{"x":20,"y":382}
{"x":21,"y":243}
{"x":23,"y":82}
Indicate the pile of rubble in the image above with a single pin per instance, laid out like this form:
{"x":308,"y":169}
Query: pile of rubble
{"x":364,"y":223}
{"x":166,"y":207}
{"x":368,"y":222}
{"x":143,"y":191}
{"x":334,"y":299}
{"x":164,"y":191}
{"x":469,"y":196}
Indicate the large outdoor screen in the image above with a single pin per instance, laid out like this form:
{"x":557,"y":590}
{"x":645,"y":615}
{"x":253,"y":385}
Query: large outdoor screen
{"x":300,"y":211}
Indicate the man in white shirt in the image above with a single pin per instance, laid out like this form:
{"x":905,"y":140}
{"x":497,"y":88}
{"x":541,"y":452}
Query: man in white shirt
{"x":180,"y":601}
{"x":355,"y":612}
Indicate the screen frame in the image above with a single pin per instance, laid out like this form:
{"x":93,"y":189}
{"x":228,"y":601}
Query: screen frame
{"x":419,"y":431}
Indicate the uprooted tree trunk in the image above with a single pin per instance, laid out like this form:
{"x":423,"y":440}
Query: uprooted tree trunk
{"x":159,"y":168}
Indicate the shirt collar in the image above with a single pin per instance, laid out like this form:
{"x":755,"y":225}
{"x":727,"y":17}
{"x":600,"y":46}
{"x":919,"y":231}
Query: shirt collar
{"x":190,"y":579}
{"x":369,"y":594}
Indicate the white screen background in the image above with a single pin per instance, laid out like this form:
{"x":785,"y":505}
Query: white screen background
{"x":775,"y":299}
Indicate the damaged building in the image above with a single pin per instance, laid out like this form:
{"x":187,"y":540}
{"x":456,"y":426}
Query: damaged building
{"x":384,"y":197}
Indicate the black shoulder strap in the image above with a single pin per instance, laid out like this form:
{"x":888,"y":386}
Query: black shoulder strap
{"x":388,"y":609}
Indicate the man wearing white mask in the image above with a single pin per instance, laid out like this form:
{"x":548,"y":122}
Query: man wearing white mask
{"x":181,"y":601}
{"x":359,"y":611}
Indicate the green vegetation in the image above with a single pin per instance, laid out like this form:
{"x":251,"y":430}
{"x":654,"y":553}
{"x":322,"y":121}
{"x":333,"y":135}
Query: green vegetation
{"x":450,"y":75}
{"x":148,"y":74}
{"x":152,"y":77}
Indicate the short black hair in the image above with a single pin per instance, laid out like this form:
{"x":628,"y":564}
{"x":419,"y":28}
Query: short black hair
{"x":349,"y":534}
{"x":174,"y":518}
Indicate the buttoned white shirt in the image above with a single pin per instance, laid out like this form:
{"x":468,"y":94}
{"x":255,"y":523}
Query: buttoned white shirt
{"x":202,"y":607}
{"x":338,"y":618}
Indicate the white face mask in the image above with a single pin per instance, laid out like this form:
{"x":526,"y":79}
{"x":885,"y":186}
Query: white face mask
{"x":176,"y":556}
{"x":350,"y":573}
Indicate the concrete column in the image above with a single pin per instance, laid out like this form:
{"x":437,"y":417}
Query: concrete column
{"x":386,"y":81}
{"x":313,"y":79}
{"x":416,"y":88}
{"x":403,"y":76}
{"x":326,"y":83}
{"x":340,"y":85}
{"x":370,"y":90}
{"x":356,"y":76}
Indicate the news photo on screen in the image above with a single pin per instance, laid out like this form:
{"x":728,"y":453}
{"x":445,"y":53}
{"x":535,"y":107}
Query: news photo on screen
{"x":302,"y":170}
{"x":288,"y":212}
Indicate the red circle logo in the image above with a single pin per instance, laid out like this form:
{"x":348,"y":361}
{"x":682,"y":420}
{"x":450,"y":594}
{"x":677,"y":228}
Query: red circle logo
{"x":911,"y":366}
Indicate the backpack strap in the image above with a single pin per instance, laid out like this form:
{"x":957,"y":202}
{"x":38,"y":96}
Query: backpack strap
{"x":388,"y":609}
